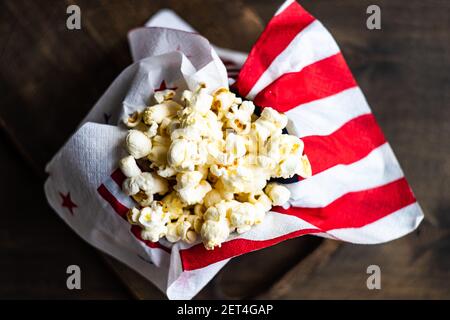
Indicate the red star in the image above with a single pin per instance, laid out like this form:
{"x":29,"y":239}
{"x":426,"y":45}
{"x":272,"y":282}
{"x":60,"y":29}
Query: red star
{"x":67,"y":202}
{"x":163,"y":86}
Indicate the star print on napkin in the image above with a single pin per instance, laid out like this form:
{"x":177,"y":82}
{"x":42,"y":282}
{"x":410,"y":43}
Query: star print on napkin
{"x":67,"y":202}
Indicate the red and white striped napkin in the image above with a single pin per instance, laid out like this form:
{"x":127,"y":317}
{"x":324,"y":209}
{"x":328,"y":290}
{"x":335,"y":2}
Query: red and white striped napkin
{"x":357,"y":193}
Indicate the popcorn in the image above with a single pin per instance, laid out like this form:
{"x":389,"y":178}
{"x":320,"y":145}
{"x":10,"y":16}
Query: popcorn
{"x":288,"y":167}
{"x":213,"y":126}
{"x":223,"y":100}
{"x":133,"y":120}
{"x":280,"y":120}
{"x":154,"y":222}
{"x":199,"y":100}
{"x":172,"y":126}
{"x":246,"y":215}
{"x":287,"y":151}
{"x":166,"y":172}
{"x":226,"y":152}
{"x":196,"y":221}
{"x":181,"y":230}
{"x":191,"y":134}
{"x":242,"y":177}
{"x":159,"y":112}
{"x":138,"y":144}
{"x":212,"y":197}
{"x":235,"y":145}
{"x":152,"y":130}
{"x":240,"y":117}
{"x":144,"y":186}
{"x":182,"y":154}
{"x":278,"y":193}
{"x":224,"y":209}
{"x":158,"y":153}
{"x":224,"y":193}
{"x":133,"y":215}
{"x":210,"y":158}
{"x":173,"y":204}
{"x":164,"y":126}
{"x":284,"y":145}
{"x":214,"y":233}
{"x":270,"y":123}
{"x":260,"y":199}
{"x":305,"y":171}
{"x":243,"y":217}
{"x":216,"y":227}
{"x":266,"y":162}
{"x":191,"y":188}
{"x":261,"y":204}
{"x":172,"y":234}
{"x":129,"y":167}
{"x":164,"y":95}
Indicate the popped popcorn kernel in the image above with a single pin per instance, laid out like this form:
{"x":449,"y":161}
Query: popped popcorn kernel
{"x":138,"y":144}
{"x":278,"y":193}
{"x":210,"y":159}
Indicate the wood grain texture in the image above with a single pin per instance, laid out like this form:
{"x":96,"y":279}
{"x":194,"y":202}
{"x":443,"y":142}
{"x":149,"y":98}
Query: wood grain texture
{"x":302,"y":272}
{"x":413,"y":267}
{"x":36,"y":247}
{"x":50,"y":77}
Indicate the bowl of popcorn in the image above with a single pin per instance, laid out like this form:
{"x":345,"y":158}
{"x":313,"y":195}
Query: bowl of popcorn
{"x":203,"y":166}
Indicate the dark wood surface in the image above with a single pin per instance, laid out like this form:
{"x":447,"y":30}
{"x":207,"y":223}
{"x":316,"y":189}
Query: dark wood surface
{"x":50,"y":77}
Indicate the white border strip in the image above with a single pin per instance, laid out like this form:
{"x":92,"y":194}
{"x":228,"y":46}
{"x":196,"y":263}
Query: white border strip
{"x":376,"y":169}
{"x":393,"y":226}
{"x":324,"y":116}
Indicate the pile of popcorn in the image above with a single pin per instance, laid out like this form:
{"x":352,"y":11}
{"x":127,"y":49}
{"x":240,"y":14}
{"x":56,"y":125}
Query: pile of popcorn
{"x":199,"y":165}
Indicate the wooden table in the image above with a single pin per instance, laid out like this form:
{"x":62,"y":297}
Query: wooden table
{"x":50,"y":77}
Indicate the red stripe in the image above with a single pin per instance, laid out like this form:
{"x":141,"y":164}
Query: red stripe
{"x":357,"y":209}
{"x":198,"y":257}
{"x":275,"y":38}
{"x":136,"y":231}
{"x":353,"y":210}
{"x":350,"y":143}
{"x":316,"y":81}
{"x":115,"y":204}
{"x":118,"y":177}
